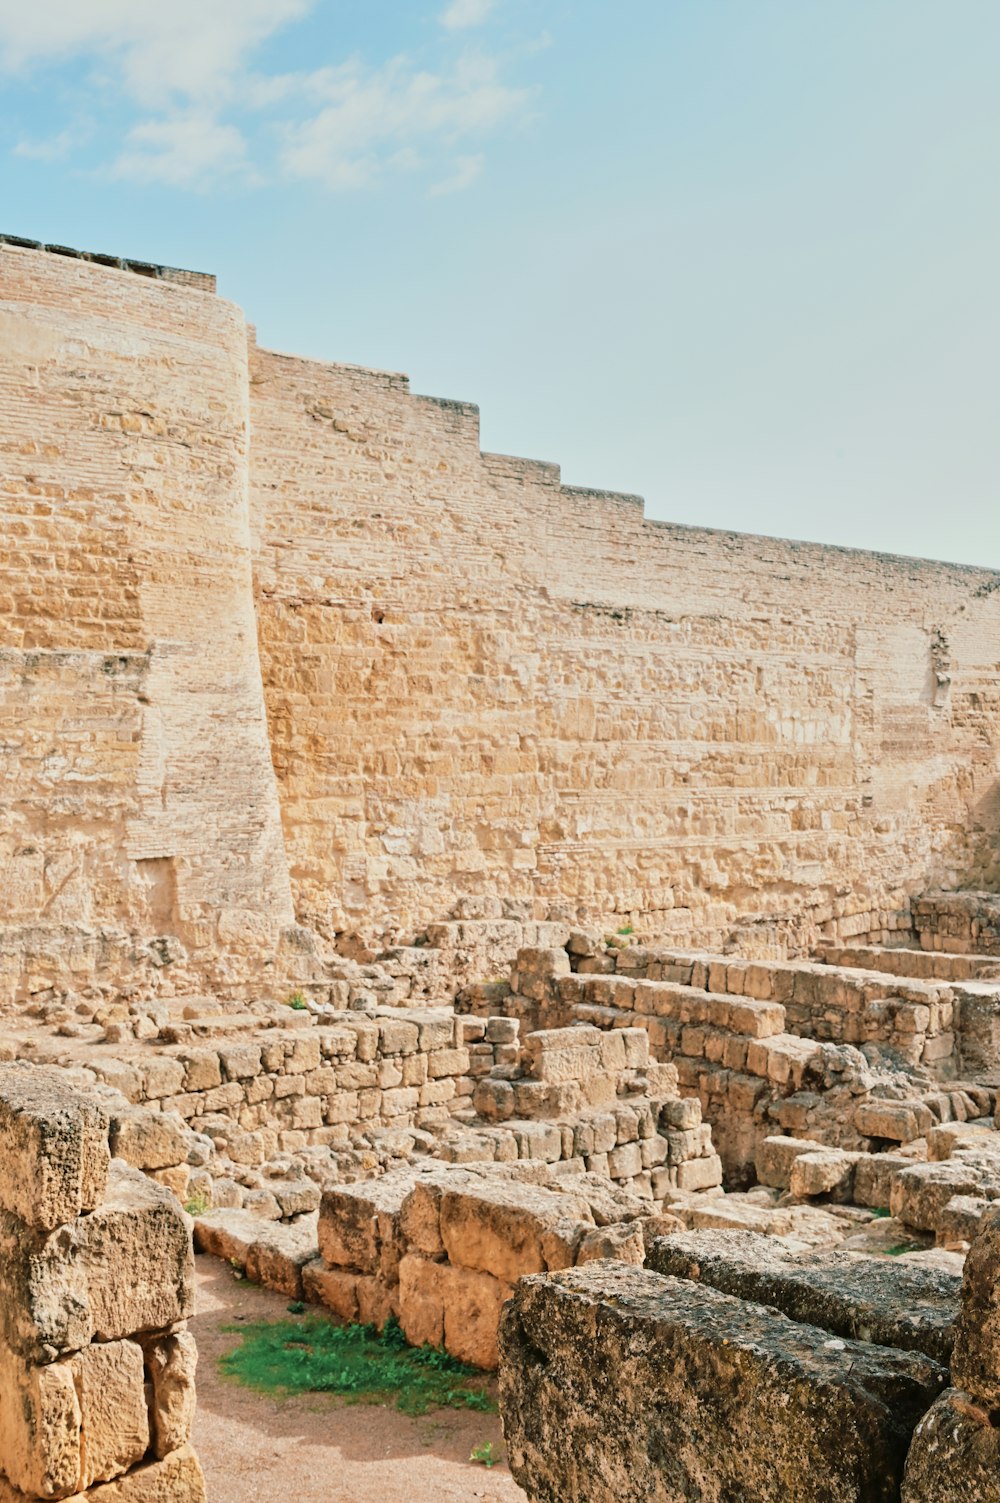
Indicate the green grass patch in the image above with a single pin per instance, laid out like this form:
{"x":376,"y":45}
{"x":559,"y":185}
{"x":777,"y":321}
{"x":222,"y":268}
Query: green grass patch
{"x":903,"y":1247}
{"x":354,"y":1362}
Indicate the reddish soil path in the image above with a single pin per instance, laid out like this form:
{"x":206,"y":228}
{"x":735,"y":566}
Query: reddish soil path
{"x":314,"y":1449}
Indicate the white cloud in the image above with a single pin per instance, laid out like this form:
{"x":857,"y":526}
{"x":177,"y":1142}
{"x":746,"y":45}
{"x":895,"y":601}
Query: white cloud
{"x":462,"y":13}
{"x":186,"y":47}
{"x":372,"y":115}
{"x":183,"y":151}
{"x":467,"y":169}
{"x":52,"y":149}
{"x":207,"y":111}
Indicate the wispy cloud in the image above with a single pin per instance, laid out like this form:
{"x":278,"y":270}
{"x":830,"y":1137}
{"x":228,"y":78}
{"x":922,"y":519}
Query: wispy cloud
{"x":207,"y":114}
{"x":467,"y":169}
{"x":186,"y":47}
{"x":184,"y":151}
{"x":462,"y":13}
{"x":54,"y":148}
{"x":378,"y":120}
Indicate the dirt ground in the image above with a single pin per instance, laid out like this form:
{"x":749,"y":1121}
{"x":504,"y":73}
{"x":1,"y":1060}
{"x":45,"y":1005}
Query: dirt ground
{"x":313,"y":1448}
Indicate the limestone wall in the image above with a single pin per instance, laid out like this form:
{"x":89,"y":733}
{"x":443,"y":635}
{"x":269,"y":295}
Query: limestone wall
{"x":487,"y":687}
{"x":485,"y":694}
{"x":138,"y":796}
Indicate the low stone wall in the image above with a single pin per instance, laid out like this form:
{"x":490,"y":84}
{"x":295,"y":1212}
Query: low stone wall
{"x":441,"y":1247}
{"x":959,"y":922}
{"x":96,"y":1364}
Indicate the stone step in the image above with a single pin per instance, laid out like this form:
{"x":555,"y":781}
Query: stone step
{"x":924,"y":965}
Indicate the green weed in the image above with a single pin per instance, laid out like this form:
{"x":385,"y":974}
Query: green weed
{"x":484,"y":1454}
{"x":297,"y":1002}
{"x":354,"y":1362}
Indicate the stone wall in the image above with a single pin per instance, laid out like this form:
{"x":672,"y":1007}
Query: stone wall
{"x":488,"y":695}
{"x":139,"y":802}
{"x":96,"y":1365}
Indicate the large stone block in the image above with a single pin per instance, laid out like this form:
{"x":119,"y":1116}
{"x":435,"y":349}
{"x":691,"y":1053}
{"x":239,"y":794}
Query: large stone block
{"x":619,"y":1385}
{"x":125,"y":1268}
{"x":884,"y":1300}
{"x":136,"y":1250}
{"x":498,"y":1229}
{"x":954,"y":1456}
{"x":114,"y":1416}
{"x":171,"y":1362}
{"x":53,"y":1148}
{"x":350,"y":1217}
{"x":147,"y":1139}
{"x":975,"y":1365}
{"x":40,"y":1450}
{"x":455,"y":1308}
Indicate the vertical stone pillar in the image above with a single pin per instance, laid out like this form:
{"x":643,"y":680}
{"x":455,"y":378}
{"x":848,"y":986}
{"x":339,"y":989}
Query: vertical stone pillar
{"x":955,"y":1451}
{"x":96,"y":1272}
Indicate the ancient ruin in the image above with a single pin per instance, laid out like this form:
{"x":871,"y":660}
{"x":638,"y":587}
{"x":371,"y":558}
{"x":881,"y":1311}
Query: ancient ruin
{"x":452,"y":897}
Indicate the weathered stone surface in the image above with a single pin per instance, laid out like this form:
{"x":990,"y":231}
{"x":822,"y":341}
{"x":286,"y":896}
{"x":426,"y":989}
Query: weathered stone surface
{"x":114,"y":1417}
{"x":349,"y":1219}
{"x":954,"y":1456}
{"x":46,"y":1305}
{"x":975,"y":1363}
{"x":136,"y":1249}
{"x":880,"y":1300}
{"x":919,"y":1194}
{"x":171,"y":1362}
{"x":498,"y":1228}
{"x":147,"y":1139}
{"x":40,"y":1449}
{"x":53,"y":1148}
{"x":620,"y":1384}
{"x":775,"y":1157}
{"x":454,"y":1308}
{"x":277,"y":1256}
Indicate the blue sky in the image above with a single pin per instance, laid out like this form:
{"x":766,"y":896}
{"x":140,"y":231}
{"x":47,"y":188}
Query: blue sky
{"x":740,"y":256}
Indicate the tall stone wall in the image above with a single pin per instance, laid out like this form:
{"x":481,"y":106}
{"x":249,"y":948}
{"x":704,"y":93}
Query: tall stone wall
{"x":278,"y":642}
{"x":483,"y":685}
{"x":138,"y":799}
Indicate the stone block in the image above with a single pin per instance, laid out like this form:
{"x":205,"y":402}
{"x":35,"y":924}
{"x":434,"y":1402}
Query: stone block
{"x":336,"y":1288}
{"x":883,"y":1300}
{"x":147,"y":1139}
{"x":975,"y":1365}
{"x":114,"y":1416}
{"x":827,"y":1171}
{"x":53,"y":1148}
{"x":348,"y":1232}
{"x":171,"y":1362}
{"x":920,"y":1193}
{"x":40,"y":1423}
{"x":954,"y":1454}
{"x":278,"y":1254}
{"x":617,"y":1383}
{"x":775,"y":1157}
{"x":454,"y":1308}
{"x":136,"y":1250}
{"x":498,"y":1229}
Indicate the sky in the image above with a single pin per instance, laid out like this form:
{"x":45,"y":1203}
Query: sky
{"x":739,"y":256}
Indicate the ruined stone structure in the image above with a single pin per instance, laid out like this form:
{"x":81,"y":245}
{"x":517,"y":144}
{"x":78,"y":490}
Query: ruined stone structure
{"x":96,"y":1366}
{"x":483,"y":908}
{"x":279,"y":645}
